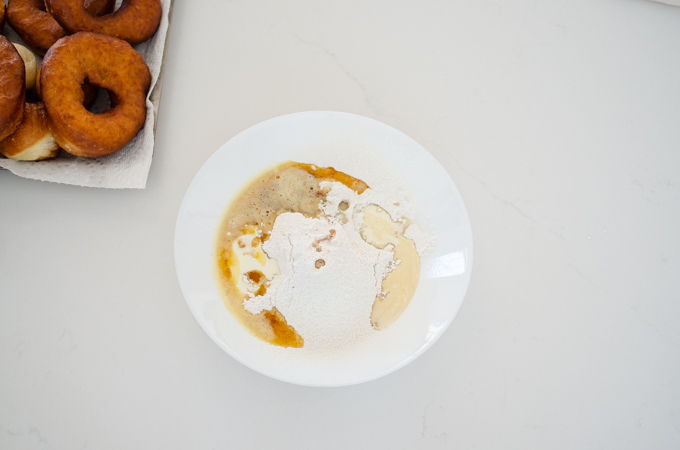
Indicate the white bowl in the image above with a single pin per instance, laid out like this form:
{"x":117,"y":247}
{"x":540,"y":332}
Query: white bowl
{"x":384,"y":158}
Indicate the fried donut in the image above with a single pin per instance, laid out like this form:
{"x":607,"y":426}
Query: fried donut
{"x":12,"y":88}
{"x":29,"y":65}
{"x":37,"y":28}
{"x":104,"y":61}
{"x":32,"y":141}
{"x":90,"y":91}
{"x":135,"y":21}
{"x":2,"y":16}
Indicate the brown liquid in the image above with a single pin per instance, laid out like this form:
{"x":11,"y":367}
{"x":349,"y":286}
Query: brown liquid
{"x":330,"y":174}
{"x":288,"y":187}
{"x":286,"y":336}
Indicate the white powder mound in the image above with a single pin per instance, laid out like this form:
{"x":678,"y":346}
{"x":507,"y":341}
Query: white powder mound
{"x":329,"y":306}
{"x":424,"y":242}
{"x":329,"y":276}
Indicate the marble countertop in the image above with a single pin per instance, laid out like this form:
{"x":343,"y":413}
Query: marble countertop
{"x":558,"y":121}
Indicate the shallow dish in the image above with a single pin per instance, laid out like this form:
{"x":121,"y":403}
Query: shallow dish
{"x":384,"y":158}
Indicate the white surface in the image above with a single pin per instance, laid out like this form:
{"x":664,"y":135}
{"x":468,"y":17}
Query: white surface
{"x":669,"y":2}
{"x":558,"y":122}
{"x":389,"y":162}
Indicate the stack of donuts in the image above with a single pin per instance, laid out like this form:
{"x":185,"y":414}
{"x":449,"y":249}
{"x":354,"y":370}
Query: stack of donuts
{"x":86,"y":46}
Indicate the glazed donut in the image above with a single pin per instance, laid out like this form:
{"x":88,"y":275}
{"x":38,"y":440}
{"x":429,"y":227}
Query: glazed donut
{"x":37,"y":28}
{"x":104,"y":61}
{"x":32,"y":141}
{"x":12,"y":88}
{"x":135,"y":21}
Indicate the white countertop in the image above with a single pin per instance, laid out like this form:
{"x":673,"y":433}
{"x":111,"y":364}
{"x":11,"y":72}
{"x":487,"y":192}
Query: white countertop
{"x":558,"y":121}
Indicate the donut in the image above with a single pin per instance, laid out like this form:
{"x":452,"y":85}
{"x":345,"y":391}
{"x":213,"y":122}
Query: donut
{"x":135,"y":21}
{"x":37,"y":83}
{"x":2,"y":15}
{"x":32,"y":141}
{"x":90,"y":91}
{"x":37,"y":28}
{"x":29,"y":65}
{"x":104,"y":61}
{"x":12,"y":88}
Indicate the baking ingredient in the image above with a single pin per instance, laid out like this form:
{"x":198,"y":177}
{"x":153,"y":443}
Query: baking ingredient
{"x":287,"y":187}
{"x":400,"y":283}
{"x":320,"y":250}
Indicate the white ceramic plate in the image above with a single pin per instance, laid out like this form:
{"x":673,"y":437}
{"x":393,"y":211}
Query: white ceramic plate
{"x":384,"y":158}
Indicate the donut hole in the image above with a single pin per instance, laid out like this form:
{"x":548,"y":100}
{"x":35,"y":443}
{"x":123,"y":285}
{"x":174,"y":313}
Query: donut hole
{"x":105,"y":100}
{"x":32,"y":97}
{"x":90,"y":94}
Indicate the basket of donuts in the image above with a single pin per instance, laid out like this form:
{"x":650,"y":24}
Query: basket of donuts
{"x":80,"y":84}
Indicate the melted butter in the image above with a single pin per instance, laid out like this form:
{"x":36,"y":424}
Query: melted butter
{"x":245,"y":257}
{"x":400,"y":284}
{"x":380,"y":230}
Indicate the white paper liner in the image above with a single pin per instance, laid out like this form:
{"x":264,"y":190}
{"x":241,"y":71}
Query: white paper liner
{"x":129,"y":167}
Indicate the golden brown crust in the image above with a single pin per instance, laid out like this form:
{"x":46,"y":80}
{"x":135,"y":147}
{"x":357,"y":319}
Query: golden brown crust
{"x":32,"y":132}
{"x":37,"y":28}
{"x":90,"y":91}
{"x":37,"y":83}
{"x":98,"y":7}
{"x":135,"y":21}
{"x":104,"y":61}
{"x":12,"y":88}
{"x":2,"y":16}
